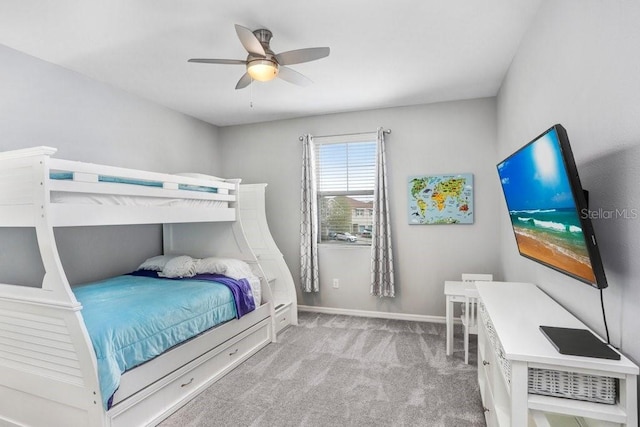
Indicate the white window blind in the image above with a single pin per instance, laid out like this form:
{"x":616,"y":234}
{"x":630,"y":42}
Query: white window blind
{"x":345,"y":168}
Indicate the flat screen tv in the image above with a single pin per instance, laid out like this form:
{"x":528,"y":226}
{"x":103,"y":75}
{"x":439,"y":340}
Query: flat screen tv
{"x":548,"y":208}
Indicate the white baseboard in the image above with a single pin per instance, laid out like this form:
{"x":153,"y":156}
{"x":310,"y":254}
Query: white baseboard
{"x":376,"y":314}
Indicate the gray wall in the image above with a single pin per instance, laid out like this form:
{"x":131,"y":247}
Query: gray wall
{"x":579,"y":66}
{"x":44,"y":104}
{"x":449,"y":137}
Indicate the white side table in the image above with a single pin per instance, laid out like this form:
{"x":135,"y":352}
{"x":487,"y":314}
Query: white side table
{"x":454,"y":291}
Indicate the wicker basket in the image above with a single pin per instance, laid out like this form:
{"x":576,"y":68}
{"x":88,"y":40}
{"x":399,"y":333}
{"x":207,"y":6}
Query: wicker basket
{"x":572,"y":385}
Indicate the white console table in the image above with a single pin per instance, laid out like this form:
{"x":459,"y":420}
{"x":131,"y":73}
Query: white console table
{"x":515,"y":312}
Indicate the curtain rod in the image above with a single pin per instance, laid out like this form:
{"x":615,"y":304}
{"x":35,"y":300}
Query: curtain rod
{"x":387,"y":131}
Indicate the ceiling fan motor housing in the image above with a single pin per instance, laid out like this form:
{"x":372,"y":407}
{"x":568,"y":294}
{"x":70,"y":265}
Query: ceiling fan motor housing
{"x":264,"y":36}
{"x":263,"y":68}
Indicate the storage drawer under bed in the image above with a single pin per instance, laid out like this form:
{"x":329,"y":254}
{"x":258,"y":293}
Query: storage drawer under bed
{"x":283,"y":317}
{"x":162,"y":398}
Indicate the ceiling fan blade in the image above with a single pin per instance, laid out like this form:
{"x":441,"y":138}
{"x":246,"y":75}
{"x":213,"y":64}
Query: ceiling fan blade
{"x":244,"y":81}
{"x":250,"y":41}
{"x":302,"y":55}
{"x":294,"y":77}
{"x":219,"y":61}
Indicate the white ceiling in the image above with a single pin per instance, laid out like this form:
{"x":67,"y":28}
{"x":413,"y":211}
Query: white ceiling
{"x":383,"y":54}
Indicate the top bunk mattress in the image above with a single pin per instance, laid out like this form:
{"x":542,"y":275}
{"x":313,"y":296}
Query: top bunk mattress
{"x":125,"y":200}
{"x":131,"y":319}
{"x":190,"y":196}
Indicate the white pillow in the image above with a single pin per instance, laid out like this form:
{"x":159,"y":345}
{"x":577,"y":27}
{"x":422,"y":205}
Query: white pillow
{"x":155,"y":263}
{"x":211,"y":265}
{"x":230,"y":267}
{"x":178,"y":267}
{"x":237,"y":269}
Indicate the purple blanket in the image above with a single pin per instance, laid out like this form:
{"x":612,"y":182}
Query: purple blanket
{"x":241,"y":290}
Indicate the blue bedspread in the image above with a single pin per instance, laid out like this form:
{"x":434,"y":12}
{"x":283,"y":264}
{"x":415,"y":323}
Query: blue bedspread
{"x":132,"y":319}
{"x":241,"y":289}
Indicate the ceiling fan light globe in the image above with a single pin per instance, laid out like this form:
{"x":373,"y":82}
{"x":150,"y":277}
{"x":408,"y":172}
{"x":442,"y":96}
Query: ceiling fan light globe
{"x":262,"y":70}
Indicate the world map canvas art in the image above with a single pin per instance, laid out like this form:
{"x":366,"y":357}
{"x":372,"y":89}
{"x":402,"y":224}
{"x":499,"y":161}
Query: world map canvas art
{"x":441,"y":199}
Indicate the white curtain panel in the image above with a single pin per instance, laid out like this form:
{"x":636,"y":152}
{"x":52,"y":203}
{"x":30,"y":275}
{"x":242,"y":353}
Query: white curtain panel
{"x":309,"y":223}
{"x":382,"y":281}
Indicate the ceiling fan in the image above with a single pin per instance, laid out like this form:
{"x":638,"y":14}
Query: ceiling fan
{"x":264,"y":65}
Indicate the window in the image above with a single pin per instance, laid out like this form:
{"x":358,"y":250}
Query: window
{"x":345,"y":168}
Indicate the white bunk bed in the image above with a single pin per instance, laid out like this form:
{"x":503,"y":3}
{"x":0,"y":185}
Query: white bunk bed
{"x":48,"y":368}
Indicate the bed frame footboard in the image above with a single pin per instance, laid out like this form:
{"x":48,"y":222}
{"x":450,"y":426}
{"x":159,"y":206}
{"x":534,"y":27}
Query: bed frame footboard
{"x":47,"y":374}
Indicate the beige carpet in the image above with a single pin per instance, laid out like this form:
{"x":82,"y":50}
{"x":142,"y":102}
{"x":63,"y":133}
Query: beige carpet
{"x":345,"y":371}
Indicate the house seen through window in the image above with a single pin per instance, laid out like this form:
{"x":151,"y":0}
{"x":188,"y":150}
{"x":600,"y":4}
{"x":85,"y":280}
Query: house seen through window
{"x":346,"y":179}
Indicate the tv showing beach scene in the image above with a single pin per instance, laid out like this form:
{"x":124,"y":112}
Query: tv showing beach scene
{"x":543,"y":209}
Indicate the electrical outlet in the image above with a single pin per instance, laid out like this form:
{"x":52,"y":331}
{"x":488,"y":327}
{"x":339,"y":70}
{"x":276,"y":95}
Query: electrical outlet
{"x":336,"y":283}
